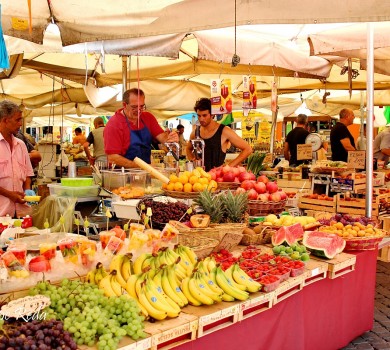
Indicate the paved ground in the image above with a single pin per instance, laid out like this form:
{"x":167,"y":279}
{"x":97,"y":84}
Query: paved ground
{"x":379,"y":337}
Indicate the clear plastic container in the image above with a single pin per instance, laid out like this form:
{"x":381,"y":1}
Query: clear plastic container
{"x":67,"y":191}
{"x":269,"y":283}
{"x":105,"y":237}
{"x":19,"y":250}
{"x":87,"y":251}
{"x":48,"y":250}
{"x":114,"y":246}
{"x":113,"y":179}
{"x":15,"y":268}
{"x":69,"y":250}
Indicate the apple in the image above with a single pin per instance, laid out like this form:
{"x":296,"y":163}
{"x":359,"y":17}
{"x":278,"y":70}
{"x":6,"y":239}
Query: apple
{"x":275,"y":197}
{"x":228,"y":177}
{"x":247,"y":184}
{"x":271,"y":187}
{"x":252,"y":194}
{"x":263,"y":178}
{"x":260,"y":187}
{"x":39,"y":264}
{"x":263,"y":197}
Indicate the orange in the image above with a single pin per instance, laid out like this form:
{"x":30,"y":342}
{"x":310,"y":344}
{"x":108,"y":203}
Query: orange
{"x":197,"y":187}
{"x":164,"y":186}
{"x":178,"y":186}
{"x":187,"y":187}
{"x":193,"y":179}
{"x":187,"y":173}
{"x":173,"y":178}
{"x":183,"y":179}
{"x":204,"y":181}
{"x":170,"y":186}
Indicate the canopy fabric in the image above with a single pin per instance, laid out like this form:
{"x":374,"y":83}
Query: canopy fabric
{"x":82,"y":21}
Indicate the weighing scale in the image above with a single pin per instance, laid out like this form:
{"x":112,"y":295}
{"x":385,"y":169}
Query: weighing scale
{"x":315,"y":141}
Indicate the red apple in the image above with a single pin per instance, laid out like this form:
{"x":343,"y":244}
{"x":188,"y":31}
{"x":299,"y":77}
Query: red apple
{"x":263,"y":178}
{"x":275,"y":197}
{"x":247,"y":184}
{"x":39,"y":264}
{"x":252,"y":194}
{"x":271,"y":187}
{"x":263,"y":197}
{"x":260,"y":187}
{"x":228,"y":177}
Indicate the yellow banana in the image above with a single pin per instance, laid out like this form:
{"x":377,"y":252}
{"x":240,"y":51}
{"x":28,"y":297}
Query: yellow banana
{"x":191,"y":254}
{"x":241,"y":277}
{"x":105,"y":284}
{"x":212,"y":284}
{"x":203,"y":288}
{"x":100,"y":273}
{"x":139,"y":262}
{"x":198,"y":294}
{"x":116,"y":265}
{"x":175,"y":284}
{"x":168,"y":290}
{"x":130,"y":285}
{"x":211,"y":264}
{"x":90,"y":278}
{"x":126,"y":267}
{"x":184,"y":260}
{"x":225,"y":284}
{"x":159,"y":300}
{"x":151,"y":310}
{"x":186,"y":291}
{"x":229,"y":275}
{"x":227,"y":297}
{"x":115,"y":285}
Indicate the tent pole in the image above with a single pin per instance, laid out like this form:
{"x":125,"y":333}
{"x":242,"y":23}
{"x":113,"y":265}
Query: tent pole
{"x":124,"y":73}
{"x":274,"y":109}
{"x":370,"y":118}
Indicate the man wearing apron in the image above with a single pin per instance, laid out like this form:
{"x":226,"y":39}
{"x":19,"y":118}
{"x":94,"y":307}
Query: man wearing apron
{"x":130,"y":131}
{"x":217,"y":139}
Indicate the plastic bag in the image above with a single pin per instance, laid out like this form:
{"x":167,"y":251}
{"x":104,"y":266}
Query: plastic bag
{"x":51,"y":208}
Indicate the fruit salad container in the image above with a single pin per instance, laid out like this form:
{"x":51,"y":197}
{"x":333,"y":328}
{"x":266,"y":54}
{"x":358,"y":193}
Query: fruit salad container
{"x":269,"y":283}
{"x":48,"y":250}
{"x":114,"y":246}
{"x":104,"y":237}
{"x":20,"y":251}
{"x":15,"y":268}
{"x":87,"y":251}
{"x":136,"y":227}
{"x":297,"y":267}
{"x":69,"y":250}
{"x":282,"y":272}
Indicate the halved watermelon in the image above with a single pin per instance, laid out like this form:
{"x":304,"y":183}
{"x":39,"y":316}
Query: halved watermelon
{"x":323,"y":244}
{"x":289,"y":234}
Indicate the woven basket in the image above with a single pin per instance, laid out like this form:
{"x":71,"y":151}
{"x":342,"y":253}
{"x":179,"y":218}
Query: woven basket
{"x":259,"y":208}
{"x":202,"y":246}
{"x":181,"y":195}
{"x":228,"y":185}
{"x":264,"y":237}
{"x":363,"y":243}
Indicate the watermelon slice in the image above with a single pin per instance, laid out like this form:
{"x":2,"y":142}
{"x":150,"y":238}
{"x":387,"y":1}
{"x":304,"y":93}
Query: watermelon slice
{"x":289,"y":234}
{"x":323,"y":244}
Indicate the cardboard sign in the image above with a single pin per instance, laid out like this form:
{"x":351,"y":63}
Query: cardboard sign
{"x":357,"y":159}
{"x":304,"y":152}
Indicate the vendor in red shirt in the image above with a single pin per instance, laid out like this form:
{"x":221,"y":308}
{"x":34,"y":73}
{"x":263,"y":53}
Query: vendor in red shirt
{"x":130,"y":131}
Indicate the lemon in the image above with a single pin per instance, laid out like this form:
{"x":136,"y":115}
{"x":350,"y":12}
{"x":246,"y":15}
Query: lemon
{"x":178,"y":186}
{"x":193,"y":179}
{"x":183,"y":179}
{"x":173,"y":178}
{"x":187,"y":187}
{"x":204,"y":181}
{"x":170,"y":186}
{"x":197,"y":187}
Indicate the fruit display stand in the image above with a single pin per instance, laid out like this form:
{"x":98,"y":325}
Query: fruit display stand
{"x":340,"y":265}
{"x":317,"y":204}
{"x":294,"y":185}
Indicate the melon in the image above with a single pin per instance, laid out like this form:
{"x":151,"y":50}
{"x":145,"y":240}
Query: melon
{"x":323,"y":244}
{"x":200,"y":220}
{"x":288,"y":234}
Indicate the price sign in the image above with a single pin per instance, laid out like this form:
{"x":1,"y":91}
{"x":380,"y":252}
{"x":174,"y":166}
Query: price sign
{"x":304,"y":152}
{"x":357,"y":159}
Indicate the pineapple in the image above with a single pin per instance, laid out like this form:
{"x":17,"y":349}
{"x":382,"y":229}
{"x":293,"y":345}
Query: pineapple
{"x":212,"y":206}
{"x":235,"y":206}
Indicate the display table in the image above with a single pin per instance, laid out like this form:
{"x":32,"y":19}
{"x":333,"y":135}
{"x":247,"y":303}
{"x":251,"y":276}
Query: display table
{"x":325,"y":315}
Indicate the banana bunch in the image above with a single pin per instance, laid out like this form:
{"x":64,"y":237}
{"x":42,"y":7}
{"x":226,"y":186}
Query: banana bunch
{"x":150,"y":295}
{"x":240,"y":277}
{"x":110,"y":285}
{"x":122,"y":264}
{"x":96,"y":275}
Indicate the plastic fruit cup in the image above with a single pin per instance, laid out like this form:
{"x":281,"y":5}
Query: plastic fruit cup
{"x":14,"y":266}
{"x":105,"y":237}
{"x":69,"y":250}
{"x":87,"y":251}
{"x":114,"y":245}
{"x":48,"y":250}
{"x":136,"y":227}
{"x":20,"y":251}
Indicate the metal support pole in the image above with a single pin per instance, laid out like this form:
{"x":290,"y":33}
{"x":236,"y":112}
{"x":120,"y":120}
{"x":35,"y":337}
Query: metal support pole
{"x":124,"y":73}
{"x":370,"y":118}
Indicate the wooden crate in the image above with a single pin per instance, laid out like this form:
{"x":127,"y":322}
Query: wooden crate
{"x":170,"y":333}
{"x":318,"y":214}
{"x":288,"y":288}
{"x":290,"y":175}
{"x":294,"y":185}
{"x":214,"y":317}
{"x":317,"y":204}
{"x":315,"y":271}
{"x":340,"y":265}
{"x":339,"y":184}
{"x":357,"y":206}
{"x":126,"y":343}
{"x":383,"y":250}
{"x":257,"y":303}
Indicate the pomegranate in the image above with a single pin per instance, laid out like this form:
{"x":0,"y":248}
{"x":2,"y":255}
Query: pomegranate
{"x":260,"y":187}
{"x":263,"y":197}
{"x":226,"y":169}
{"x":263,"y":178}
{"x":283,"y":194}
{"x":275,"y":197}
{"x":245,"y":176}
{"x":228,"y":177}
{"x":271,"y":187}
{"x":247,"y":184}
{"x":252,"y":194}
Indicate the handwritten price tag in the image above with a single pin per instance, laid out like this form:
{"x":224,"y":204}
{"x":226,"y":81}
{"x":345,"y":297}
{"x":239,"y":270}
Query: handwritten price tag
{"x":304,"y":152}
{"x":357,"y":159}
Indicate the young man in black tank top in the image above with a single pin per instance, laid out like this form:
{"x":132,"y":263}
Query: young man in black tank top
{"x":218,"y":138}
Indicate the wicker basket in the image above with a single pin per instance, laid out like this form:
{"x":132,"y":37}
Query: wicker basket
{"x":181,"y":195}
{"x":202,"y":246}
{"x":259,"y":208}
{"x":228,"y":185}
{"x":264,"y":237}
{"x":363,"y":243}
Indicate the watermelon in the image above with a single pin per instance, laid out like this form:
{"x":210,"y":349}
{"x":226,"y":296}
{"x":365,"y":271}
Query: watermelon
{"x":323,"y":244}
{"x":289,"y":234}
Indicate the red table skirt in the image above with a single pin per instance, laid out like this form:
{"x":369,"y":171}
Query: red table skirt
{"x":326,"y":315}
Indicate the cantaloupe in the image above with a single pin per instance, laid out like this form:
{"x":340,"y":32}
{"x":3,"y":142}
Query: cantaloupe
{"x":200,"y":220}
